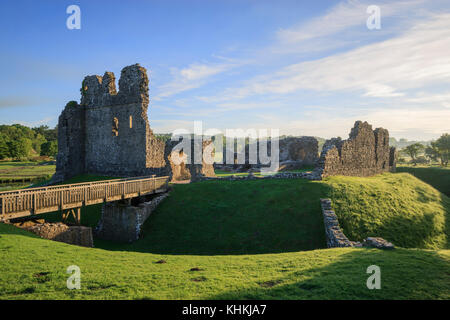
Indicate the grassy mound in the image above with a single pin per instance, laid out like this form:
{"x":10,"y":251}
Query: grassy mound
{"x":34,"y":268}
{"x":397,"y":207}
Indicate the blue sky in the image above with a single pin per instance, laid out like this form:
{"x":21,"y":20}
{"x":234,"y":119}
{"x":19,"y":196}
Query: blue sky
{"x":305,"y":67}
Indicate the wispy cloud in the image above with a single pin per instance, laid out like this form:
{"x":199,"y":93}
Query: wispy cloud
{"x":414,"y":59}
{"x":193,"y":76}
{"x":341,"y":17}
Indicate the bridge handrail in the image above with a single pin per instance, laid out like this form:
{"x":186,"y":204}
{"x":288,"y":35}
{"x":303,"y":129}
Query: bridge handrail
{"x":80,"y":184}
{"x":46,"y":198}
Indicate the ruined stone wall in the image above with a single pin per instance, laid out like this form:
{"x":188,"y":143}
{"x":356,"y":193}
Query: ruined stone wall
{"x":71,"y":140}
{"x":365,"y":153}
{"x":188,"y":170}
{"x":108,"y":133}
{"x":118,"y":134}
{"x":302,"y":149}
{"x":294,"y":153}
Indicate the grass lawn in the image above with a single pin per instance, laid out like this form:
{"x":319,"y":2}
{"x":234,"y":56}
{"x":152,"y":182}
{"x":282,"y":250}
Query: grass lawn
{"x":27,"y":172}
{"x":34,"y":268}
{"x":252,"y":239}
{"x":234,"y":217}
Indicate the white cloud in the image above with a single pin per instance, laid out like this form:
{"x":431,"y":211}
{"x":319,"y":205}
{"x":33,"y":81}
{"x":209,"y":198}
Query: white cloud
{"x":388,"y":72}
{"x":432,"y":100}
{"x":191,"y":77}
{"x":413,"y":124}
{"x":417,"y":58}
{"x":341,"y":17}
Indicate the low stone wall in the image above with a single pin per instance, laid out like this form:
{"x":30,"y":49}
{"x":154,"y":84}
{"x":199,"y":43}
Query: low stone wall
{"x":335,"y":236}
{"x":280,"y":175}
{"x":78,"y":235}
{"x":122,"y":222}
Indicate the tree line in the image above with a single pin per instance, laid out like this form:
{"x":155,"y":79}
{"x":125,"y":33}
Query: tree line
{"x":19,"y":142}
{"x":437,"y":151}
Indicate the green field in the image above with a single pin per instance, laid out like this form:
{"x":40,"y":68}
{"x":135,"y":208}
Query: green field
{"x":251,"y":239}
{"x":34,"y":268}
{"x":14,"y":175}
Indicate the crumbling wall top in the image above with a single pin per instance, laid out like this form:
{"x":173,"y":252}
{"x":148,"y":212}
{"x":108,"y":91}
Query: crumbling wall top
{"x":97,"y":91}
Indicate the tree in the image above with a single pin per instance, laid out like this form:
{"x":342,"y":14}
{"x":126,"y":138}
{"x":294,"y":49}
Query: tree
{"x":4,"y":149}
{"x":19,"y":148}
{"x":38,"y":141}
{"x":432,"y":152}
{"x":49,"y":148}
{"x":443,"y":146}
{"x":413,"y":151}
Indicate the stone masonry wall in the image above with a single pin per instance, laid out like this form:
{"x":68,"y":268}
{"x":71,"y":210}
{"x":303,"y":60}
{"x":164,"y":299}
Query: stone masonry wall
{"x":303,"y":149}
{"x":333,"y":233}
{"x":294,"y":153}
{"x":71,"y":141}
{"x":108,"y":133}
{"x":122,"y":222}
{"x":365,"y":153}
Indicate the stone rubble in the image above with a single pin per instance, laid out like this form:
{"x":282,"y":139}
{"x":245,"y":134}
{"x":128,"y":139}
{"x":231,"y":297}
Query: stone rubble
{"x":77,"y":235}
{"x":377,"y":242}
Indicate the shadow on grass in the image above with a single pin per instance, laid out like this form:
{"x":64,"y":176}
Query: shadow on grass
{"x":438,"y":177}
{"x":234,"y":217}
{"x":447,"y":220}
{"x":405,"y":274}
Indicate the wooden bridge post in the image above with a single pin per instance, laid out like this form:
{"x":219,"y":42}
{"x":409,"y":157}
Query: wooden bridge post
{"x":34,"y":203}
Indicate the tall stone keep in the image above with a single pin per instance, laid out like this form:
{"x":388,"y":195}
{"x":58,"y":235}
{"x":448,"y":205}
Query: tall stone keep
{"x":108,"y":133}
{"x":365,"y":153}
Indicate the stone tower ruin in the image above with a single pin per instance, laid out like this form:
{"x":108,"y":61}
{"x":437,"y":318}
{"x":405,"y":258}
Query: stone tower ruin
{"x":108,"y":132}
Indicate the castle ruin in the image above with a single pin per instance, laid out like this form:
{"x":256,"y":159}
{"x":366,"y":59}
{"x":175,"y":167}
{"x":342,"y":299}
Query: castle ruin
{"x":109,"y":134}
{"x":365,"y":153}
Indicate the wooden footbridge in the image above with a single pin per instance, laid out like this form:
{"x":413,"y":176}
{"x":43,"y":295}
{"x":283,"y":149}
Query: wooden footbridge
{"x":69,"y":198}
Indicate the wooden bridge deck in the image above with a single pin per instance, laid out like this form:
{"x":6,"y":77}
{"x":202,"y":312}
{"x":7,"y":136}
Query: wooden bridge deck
{"x":32,"y":201}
